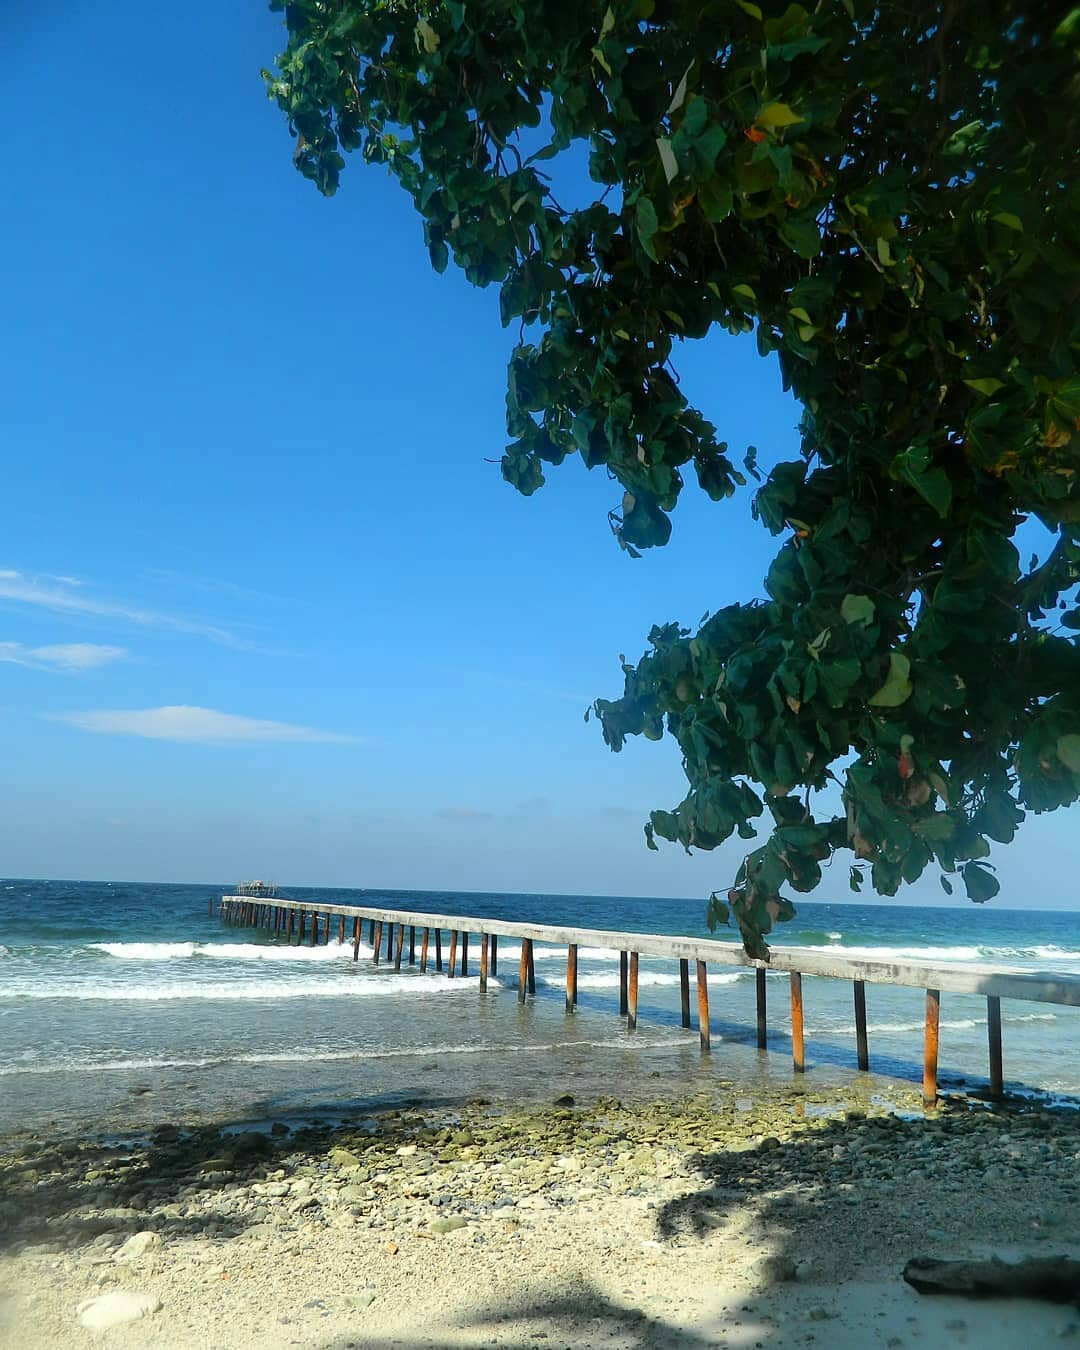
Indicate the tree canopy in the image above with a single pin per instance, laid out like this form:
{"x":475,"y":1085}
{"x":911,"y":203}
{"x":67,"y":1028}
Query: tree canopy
{"x":886,"y":195}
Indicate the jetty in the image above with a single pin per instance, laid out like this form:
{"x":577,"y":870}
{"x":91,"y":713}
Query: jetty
{"x":442,"y":941}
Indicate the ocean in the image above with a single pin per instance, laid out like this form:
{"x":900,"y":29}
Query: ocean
{"x":123,"y":1003}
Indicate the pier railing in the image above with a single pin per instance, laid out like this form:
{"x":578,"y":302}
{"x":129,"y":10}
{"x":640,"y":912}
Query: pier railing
{"x":313,"y":921}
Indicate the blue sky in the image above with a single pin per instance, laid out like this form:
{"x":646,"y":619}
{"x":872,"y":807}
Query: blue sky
{"x":266,"y":606}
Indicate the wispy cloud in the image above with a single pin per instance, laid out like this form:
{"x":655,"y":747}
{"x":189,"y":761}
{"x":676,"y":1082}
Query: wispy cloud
{"x":207,"y":726}
{"x":68,"y":595}
{"x":69,"y":657}
{"x":536,"y":688}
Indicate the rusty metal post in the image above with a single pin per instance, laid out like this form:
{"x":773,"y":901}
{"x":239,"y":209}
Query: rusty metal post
{"x":571,"y":977}
{"x":523,"y":973}
{"x":762,"y":1031}
{"x":423,"y":950}
{"x":798,"y":1044}
{"x":684,"y":990}
{"x":453,"y":955}
{"x":631,"y":1013}
{"x":400,"y":946}
{"x":376,"y":942}
{"x":622,"y":984}
{"x":703,"y":1006}
{"x":930,"y":1052}
{"x":860,"y":1024}
{"x":483,"y":962}
{"x":356,"y":940}
{"x":993,"y":1030}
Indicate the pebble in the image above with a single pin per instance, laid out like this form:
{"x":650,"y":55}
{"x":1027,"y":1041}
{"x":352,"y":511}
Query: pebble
{"x":138,"y":1245}
{"x":111,"y":1310}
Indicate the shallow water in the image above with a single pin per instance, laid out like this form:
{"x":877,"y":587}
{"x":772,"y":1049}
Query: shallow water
{"x":123,"y":998}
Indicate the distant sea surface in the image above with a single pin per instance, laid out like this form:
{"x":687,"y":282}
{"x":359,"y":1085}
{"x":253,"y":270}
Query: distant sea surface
{"x":123,"y":1002}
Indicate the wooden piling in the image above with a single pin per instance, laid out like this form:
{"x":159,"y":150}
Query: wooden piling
{"x":494,"y":955}
{"x":484,"y":943}
{"x":571,"y":977}
{"x":291,"y":924}
{"x":798,"y":1045}
{"x":531,"y":969}
{"x":762,"y":1029}
{"x":703,"y":1006}
{"x":861,"y":1042}
{"x":622,"y":984}
{"x":412,"y":944}
{"x":301,"y":919}
{"x":423,"y":950}
{"x":452,"y":959}
{"x":356,"y":941}
{"x":314,"y":926}
{"x":930,"y":1050}
{"x":464,"y":954}
{"x":684,"y":990}
{"x":400,"y":946}
{"x":993,"y":1031}
{"x":438,"y":949}
{"x":341,"y":930}
{"x":376,"y":941}
{"x":389,"y":940}
{"x":523,"y":973}
{"x":631,"y":1009}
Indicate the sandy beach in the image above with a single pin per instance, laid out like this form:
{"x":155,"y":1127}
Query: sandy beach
{"x":719,"y":1220}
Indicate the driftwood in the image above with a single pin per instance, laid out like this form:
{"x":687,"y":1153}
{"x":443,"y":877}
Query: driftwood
{"x":1056,"y":1278}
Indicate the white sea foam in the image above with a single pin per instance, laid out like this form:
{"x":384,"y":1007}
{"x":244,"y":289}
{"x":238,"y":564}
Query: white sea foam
{"x":959,"y":1024}
{"x":226,"y":951}
{"x":913,"y":953}
{"x":610,"y":979}
{"x":241,"y":990}
{"x":304,"y":1054}
{"x":965,"y":953}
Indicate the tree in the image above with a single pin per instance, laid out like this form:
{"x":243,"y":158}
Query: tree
{"x":886,"y":195}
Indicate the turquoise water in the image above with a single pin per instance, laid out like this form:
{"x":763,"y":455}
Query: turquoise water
{"x":117,"y":993}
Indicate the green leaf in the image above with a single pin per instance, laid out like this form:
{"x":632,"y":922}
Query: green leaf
{"x":716,"y":199}
{"x":986,"y":385}
{"x":1068,"y":751}
{"x":1007,"y":219}
{"x":897,"y":687}
{"x":744,"y":292}
{"x":426,"y":36}
{"x":647,"y":225}
{"x":748,"y":8}
{"x":777,"y":115}
{"x":980,"y":883}
{"x":857,"y":609}
{"x":802,"y":235}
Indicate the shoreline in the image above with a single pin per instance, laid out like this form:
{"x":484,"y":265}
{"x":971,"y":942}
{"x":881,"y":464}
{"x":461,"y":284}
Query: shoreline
{"x":711,"y":1218}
